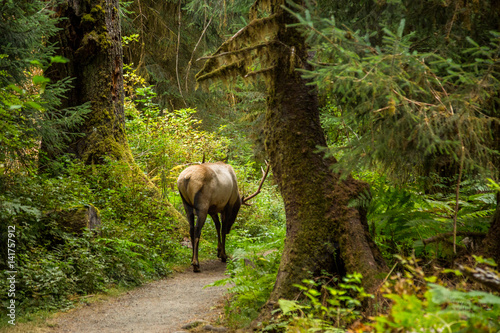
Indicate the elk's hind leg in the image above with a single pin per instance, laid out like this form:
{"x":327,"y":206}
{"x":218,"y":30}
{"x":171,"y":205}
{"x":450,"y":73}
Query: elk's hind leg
{"x":202,"y":216}
{"x":215,"y":218}
{"x":190,"y":217}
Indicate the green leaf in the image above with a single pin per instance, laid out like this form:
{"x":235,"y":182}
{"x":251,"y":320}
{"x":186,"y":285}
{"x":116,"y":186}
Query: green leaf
{"x":454,"y":271}
{"x":40,"y":79}
{"x":470,"y":40}
{"x":401,"y":28}
{"x":34,"y":105}
{"x":431,"y":279}
{"x":487,"y":261}
{"x":36,"y":63}
{"x":15,"y":88}
{"x":59,"y":60}
{"x":290,"y":306}
{"x":485,"y":298}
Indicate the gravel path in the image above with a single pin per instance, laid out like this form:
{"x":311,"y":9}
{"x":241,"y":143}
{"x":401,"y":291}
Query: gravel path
{"x":161,"y":306}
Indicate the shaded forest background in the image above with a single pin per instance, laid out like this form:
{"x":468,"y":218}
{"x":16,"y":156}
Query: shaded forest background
{"x":380,"y":119}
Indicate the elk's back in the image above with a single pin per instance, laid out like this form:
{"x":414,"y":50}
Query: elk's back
{"x":209,"y":186}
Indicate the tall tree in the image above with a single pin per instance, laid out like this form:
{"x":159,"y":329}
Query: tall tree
{"x":419,"y":83}
{"x":492,"y":241}
{"x":324,"y":233}
{"x":26,"y":97}
{"x":90,"y":38}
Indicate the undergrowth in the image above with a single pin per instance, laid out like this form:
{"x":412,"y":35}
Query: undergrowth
{"x":403,"y":218}
{"x":415,"y":302}
{"x":54,"y":267}
{"x":255,"y":244}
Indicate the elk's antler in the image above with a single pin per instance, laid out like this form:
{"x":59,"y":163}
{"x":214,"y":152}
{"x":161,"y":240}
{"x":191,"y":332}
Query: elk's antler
{"x":264,"y":175}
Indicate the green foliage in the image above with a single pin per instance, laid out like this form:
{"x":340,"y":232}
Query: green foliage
{"x":226,"y":17}
{"x":134,"y":214}
{"x":434,"y":307}
{"x":401,"y":217}
{"x":418,"y":302}
{"x":162,"y":143}
{"x":23,"y":27}
{"x":330,"y":306}
{"x":29,"y":103}
{"x":413,"y":111}
{"x":252,"y":270}
{"x":336,"y":130}
{"x":138,"y":240}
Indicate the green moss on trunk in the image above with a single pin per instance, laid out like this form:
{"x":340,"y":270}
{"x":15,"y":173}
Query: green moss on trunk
{"x":90,"y":38}
{"x":320,"y":222}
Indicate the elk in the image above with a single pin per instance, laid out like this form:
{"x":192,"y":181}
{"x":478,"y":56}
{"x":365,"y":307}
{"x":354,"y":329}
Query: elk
{"x":210,"y":189}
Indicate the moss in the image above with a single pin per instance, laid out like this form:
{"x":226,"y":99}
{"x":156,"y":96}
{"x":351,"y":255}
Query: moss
{"x":97,"y":9}
{"x":104,"y":40}
{"x":87,"y":18}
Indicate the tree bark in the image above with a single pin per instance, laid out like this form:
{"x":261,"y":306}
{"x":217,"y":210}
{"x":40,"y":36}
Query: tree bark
{"x":321,"y":226}
{"x":492,"y":240}
{"x":90,"y":38}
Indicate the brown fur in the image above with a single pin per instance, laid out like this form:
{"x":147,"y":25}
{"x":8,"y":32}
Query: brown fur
{"x":209,"y":189}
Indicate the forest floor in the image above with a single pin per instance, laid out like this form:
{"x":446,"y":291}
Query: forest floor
{"x":162,"y":306}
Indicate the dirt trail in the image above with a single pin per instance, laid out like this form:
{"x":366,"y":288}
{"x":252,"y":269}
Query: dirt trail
{"x":162,"y":306}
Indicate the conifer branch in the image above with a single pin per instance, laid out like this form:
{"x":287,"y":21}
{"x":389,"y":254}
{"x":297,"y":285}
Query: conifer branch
{"x":243,"y":50}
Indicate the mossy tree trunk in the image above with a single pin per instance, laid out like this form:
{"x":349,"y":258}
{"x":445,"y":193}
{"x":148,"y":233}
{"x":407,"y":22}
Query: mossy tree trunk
{"x":321,"y":226}
{"x":323,"y":231}
{"x":90,"y":38}
{"x":492,"y":240}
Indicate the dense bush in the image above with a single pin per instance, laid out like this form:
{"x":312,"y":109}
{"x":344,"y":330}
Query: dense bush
{"x":138,"y":240}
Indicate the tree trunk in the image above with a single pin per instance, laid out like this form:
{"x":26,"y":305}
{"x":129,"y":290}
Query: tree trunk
{"x":492,"y":240}
{"x":90,"y":38}
{"x":321,"y":226}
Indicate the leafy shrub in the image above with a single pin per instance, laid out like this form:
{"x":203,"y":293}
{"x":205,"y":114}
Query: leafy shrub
{"x":327,"y":308}
{"x":163,"y":143}
{"x":252,"y":272}
{"x":139,"y":239}
{"x":402,"y":217}
{"x":134,"y":213}
{"x":426,"y":304}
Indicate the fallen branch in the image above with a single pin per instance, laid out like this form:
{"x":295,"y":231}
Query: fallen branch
{"x":445,"y":235}
{"x":485,"y":276}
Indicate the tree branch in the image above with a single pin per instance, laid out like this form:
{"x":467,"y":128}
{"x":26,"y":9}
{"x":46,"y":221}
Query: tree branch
{"x":264,"y":70}
{"x":177,"y":55}
{"x":245,"y":36}
{"x":483,"y":276}
{"x":445,"y":235}
{"x":221,"y":71}
{"x":245,"y":49}
{"x":194,"y":50}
